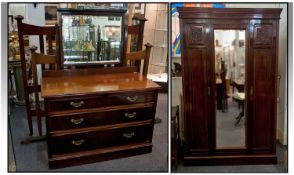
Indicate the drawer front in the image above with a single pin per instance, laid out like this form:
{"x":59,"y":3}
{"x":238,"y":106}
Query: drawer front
{"x":77,"y":103}
{"x":131,"y":98}
{"x":99,"y":101}
{"x":99,"y":139}
{"x":99,"y":118}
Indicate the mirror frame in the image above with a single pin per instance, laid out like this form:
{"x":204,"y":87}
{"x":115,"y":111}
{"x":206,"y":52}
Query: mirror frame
{"x":93,"y":12}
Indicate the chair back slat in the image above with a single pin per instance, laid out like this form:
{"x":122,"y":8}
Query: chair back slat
{"x":140,"y":56}
{"x":44,"y":59}
{"x":136,"y":32}
{"x":41,"y":41}
{"x":133,"y":30}
{"x":136,"y":55}
{"x":50,"y":49}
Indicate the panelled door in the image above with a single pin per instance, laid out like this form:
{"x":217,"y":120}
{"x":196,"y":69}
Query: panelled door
{"x":263,"y":85}
{"x":196,"y":66}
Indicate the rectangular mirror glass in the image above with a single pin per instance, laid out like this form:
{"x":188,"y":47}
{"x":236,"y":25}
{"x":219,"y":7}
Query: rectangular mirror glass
{"x":230,"y":84}
{"x":91,"y":39}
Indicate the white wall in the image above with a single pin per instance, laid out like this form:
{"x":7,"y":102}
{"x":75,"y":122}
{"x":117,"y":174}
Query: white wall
{"x":36,"y":16}
{"x":156,"y":14}
{"x":17,"y":9}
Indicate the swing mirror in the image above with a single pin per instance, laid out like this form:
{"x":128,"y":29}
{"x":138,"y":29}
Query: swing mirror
{"x":90,"y":39}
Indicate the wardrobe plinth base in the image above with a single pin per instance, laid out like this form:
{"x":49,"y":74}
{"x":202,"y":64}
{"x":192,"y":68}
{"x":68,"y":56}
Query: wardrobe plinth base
{"x":230,"y":160}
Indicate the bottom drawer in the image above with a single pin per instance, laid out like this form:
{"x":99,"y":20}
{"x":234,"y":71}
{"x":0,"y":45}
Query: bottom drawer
{"x":98,"y":139}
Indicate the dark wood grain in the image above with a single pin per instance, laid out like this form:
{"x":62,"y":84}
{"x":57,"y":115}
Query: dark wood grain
{"x":229,"y":13}
{"x":195,"y":87}
{"x":63,"y":85}
{"x":77,"y":72}
{"x":264,"y":84}
{"x":197,"y":27}
{"x":97,"y":155}
{"x":104,"y":117}
{"x":100,"y":138}
{"x":95,"y":116}
{"x":237,"y":159}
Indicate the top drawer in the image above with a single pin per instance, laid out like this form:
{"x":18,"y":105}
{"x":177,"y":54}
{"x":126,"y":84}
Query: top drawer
{"x":131,"y":98}
{"x":77,"y":103}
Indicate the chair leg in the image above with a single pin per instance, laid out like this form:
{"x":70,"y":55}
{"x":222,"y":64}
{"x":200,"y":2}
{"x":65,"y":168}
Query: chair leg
{"x":39,"y":120}
{"x":30,"y":122}
{"x":33,"y":139}
{"x":239,"y":118}
{"x":223,"y":105}
{"x":227,"y":104}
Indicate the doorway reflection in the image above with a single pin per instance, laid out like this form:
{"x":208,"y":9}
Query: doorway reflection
{"x":230,"y":85}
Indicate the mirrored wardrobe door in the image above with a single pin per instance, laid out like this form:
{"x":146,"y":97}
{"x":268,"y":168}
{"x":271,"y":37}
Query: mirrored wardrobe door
{"x":229,"y":50}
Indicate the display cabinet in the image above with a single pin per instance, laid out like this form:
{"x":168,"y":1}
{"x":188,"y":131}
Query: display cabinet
{"x":91,"y":37}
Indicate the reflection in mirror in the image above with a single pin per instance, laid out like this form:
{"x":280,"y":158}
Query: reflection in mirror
{"x":91,"y":39}
{"x":230,"y":85}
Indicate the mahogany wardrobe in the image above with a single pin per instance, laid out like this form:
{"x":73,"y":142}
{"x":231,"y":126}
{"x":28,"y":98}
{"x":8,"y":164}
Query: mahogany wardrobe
{"x":204,"y":70}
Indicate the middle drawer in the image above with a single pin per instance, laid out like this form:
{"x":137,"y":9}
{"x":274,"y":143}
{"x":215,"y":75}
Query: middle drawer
{"x":87,"y":119}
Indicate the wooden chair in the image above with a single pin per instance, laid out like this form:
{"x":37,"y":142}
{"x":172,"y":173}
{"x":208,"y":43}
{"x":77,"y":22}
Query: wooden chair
{"x":240,"y":98}
{"x":135,"y":55}
{"x":39,"y":58}
{"x":141,"y":56}
{"x":135,"y":32}
{"x":24,"y":30}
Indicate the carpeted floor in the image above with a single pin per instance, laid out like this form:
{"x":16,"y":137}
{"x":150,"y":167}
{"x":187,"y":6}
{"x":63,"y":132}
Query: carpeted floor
{"x":33,"y":156}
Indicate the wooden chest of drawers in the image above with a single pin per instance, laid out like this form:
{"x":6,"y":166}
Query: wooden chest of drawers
{"x":92,"y":117}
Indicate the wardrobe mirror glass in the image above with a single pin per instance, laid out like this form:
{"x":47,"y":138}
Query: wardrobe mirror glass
{"x":230,"y":85}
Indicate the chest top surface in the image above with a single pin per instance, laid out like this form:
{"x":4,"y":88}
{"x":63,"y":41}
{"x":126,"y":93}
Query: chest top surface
{"x":64,"y":84}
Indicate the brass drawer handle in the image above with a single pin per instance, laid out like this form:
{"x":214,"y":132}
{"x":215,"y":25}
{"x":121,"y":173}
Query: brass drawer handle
{"x":77,"y":121}
{"x":77,"y":142}
{"x":129,"y":135}
{"x":77,"y":104}
{"x":130,"y":115}
{"x":132,"y":99}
